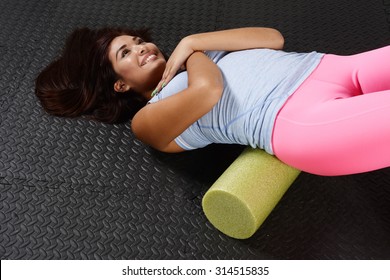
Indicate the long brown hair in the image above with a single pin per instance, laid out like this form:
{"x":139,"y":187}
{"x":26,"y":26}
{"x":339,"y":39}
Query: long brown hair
{"x":81,"y":81}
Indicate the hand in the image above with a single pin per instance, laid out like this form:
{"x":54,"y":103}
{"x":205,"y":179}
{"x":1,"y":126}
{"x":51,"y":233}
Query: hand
{"x":175,"y":62}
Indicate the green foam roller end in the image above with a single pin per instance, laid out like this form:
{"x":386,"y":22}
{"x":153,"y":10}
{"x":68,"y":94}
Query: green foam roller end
{"x":246,"y":193}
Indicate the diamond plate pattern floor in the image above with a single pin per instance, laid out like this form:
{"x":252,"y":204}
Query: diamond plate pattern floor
{"x":74,"y":189}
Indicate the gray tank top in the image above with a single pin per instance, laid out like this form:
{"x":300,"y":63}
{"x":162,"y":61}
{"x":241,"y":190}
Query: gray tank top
{"x":257,"y":83}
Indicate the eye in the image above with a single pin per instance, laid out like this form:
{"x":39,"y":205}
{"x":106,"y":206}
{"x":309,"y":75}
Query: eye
{"x":125,"y":52}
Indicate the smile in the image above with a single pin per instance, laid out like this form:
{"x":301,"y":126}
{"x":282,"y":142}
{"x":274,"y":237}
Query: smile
{"x":148,"y":58}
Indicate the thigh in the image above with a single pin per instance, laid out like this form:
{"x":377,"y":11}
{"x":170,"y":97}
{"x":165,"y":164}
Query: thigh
{"x":319,"y":132}
{"x":361,"y":73}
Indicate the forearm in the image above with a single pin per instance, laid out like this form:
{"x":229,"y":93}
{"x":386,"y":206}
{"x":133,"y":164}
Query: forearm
{"x":224,"y":40}
{"x":236,"y":39}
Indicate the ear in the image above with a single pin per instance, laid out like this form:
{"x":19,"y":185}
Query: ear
{"x":120,"y":86}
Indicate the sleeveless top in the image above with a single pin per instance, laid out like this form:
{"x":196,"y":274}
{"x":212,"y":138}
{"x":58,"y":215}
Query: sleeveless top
{"x":257,"y":83}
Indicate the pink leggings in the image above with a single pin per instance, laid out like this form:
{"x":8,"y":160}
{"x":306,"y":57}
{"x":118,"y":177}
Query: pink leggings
{"x":338,"y":121}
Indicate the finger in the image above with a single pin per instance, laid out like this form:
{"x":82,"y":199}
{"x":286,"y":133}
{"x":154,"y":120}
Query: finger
{"x":157,"y":89}
{"x":167,"y":76}
{"x":171,"y":72}
{"x":160,"y":84}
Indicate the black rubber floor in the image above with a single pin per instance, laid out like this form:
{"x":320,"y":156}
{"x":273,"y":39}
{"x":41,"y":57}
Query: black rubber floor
{"x":74,"y":189}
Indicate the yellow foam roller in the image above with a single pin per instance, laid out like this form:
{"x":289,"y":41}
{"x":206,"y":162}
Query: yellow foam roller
{"x":246,"y":193}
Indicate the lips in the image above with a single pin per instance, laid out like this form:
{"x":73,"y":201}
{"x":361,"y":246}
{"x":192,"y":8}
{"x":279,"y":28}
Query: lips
{"x":148,"y":58}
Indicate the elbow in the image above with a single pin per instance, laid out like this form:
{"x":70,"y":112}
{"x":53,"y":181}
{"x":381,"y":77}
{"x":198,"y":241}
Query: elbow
{"x":278,"y":39}
{"x":212,"y":90}
{"x":280,"y":44}
{"x":214,"y":87}
{"x":271,"y":38}
{"x":216,"y":91}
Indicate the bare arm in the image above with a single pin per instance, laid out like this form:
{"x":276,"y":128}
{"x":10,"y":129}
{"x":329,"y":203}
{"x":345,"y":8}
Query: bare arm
{"x":158,"y":124}
{"x":224,"y":40}
{"x":236,"y":39}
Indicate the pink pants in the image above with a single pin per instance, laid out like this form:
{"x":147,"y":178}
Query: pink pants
{"x":338,"y":120}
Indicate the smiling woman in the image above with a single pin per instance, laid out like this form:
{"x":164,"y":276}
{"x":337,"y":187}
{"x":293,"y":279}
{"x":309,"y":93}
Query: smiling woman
{"x":139,"y":64}
{"x":68,"y":87}
{"x":239,"y":87}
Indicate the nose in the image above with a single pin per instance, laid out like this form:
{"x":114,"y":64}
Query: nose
{"x":139,"y":49}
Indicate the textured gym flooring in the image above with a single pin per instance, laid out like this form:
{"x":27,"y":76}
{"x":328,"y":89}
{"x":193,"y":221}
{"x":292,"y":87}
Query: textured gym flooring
{"x":77,"y":189}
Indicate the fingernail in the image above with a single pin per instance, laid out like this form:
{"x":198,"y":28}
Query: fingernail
{"x":153,"y":93}
{"x":163,"y":85}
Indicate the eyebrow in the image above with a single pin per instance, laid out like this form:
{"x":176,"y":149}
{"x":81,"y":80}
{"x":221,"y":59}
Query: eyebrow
{"x":122,"y":47}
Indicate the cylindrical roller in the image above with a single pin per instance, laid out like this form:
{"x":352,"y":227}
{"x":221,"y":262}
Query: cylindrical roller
{"x":245,"y":194}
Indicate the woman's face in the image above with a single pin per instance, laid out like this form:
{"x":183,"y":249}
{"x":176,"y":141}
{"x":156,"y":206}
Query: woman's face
{"x":139,"y":64}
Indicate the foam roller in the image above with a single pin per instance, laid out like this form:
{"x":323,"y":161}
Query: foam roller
{"x":246,"y":193}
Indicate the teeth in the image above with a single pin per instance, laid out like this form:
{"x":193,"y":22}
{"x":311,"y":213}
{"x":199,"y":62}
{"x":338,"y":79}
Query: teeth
{"x":149,"y":58}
